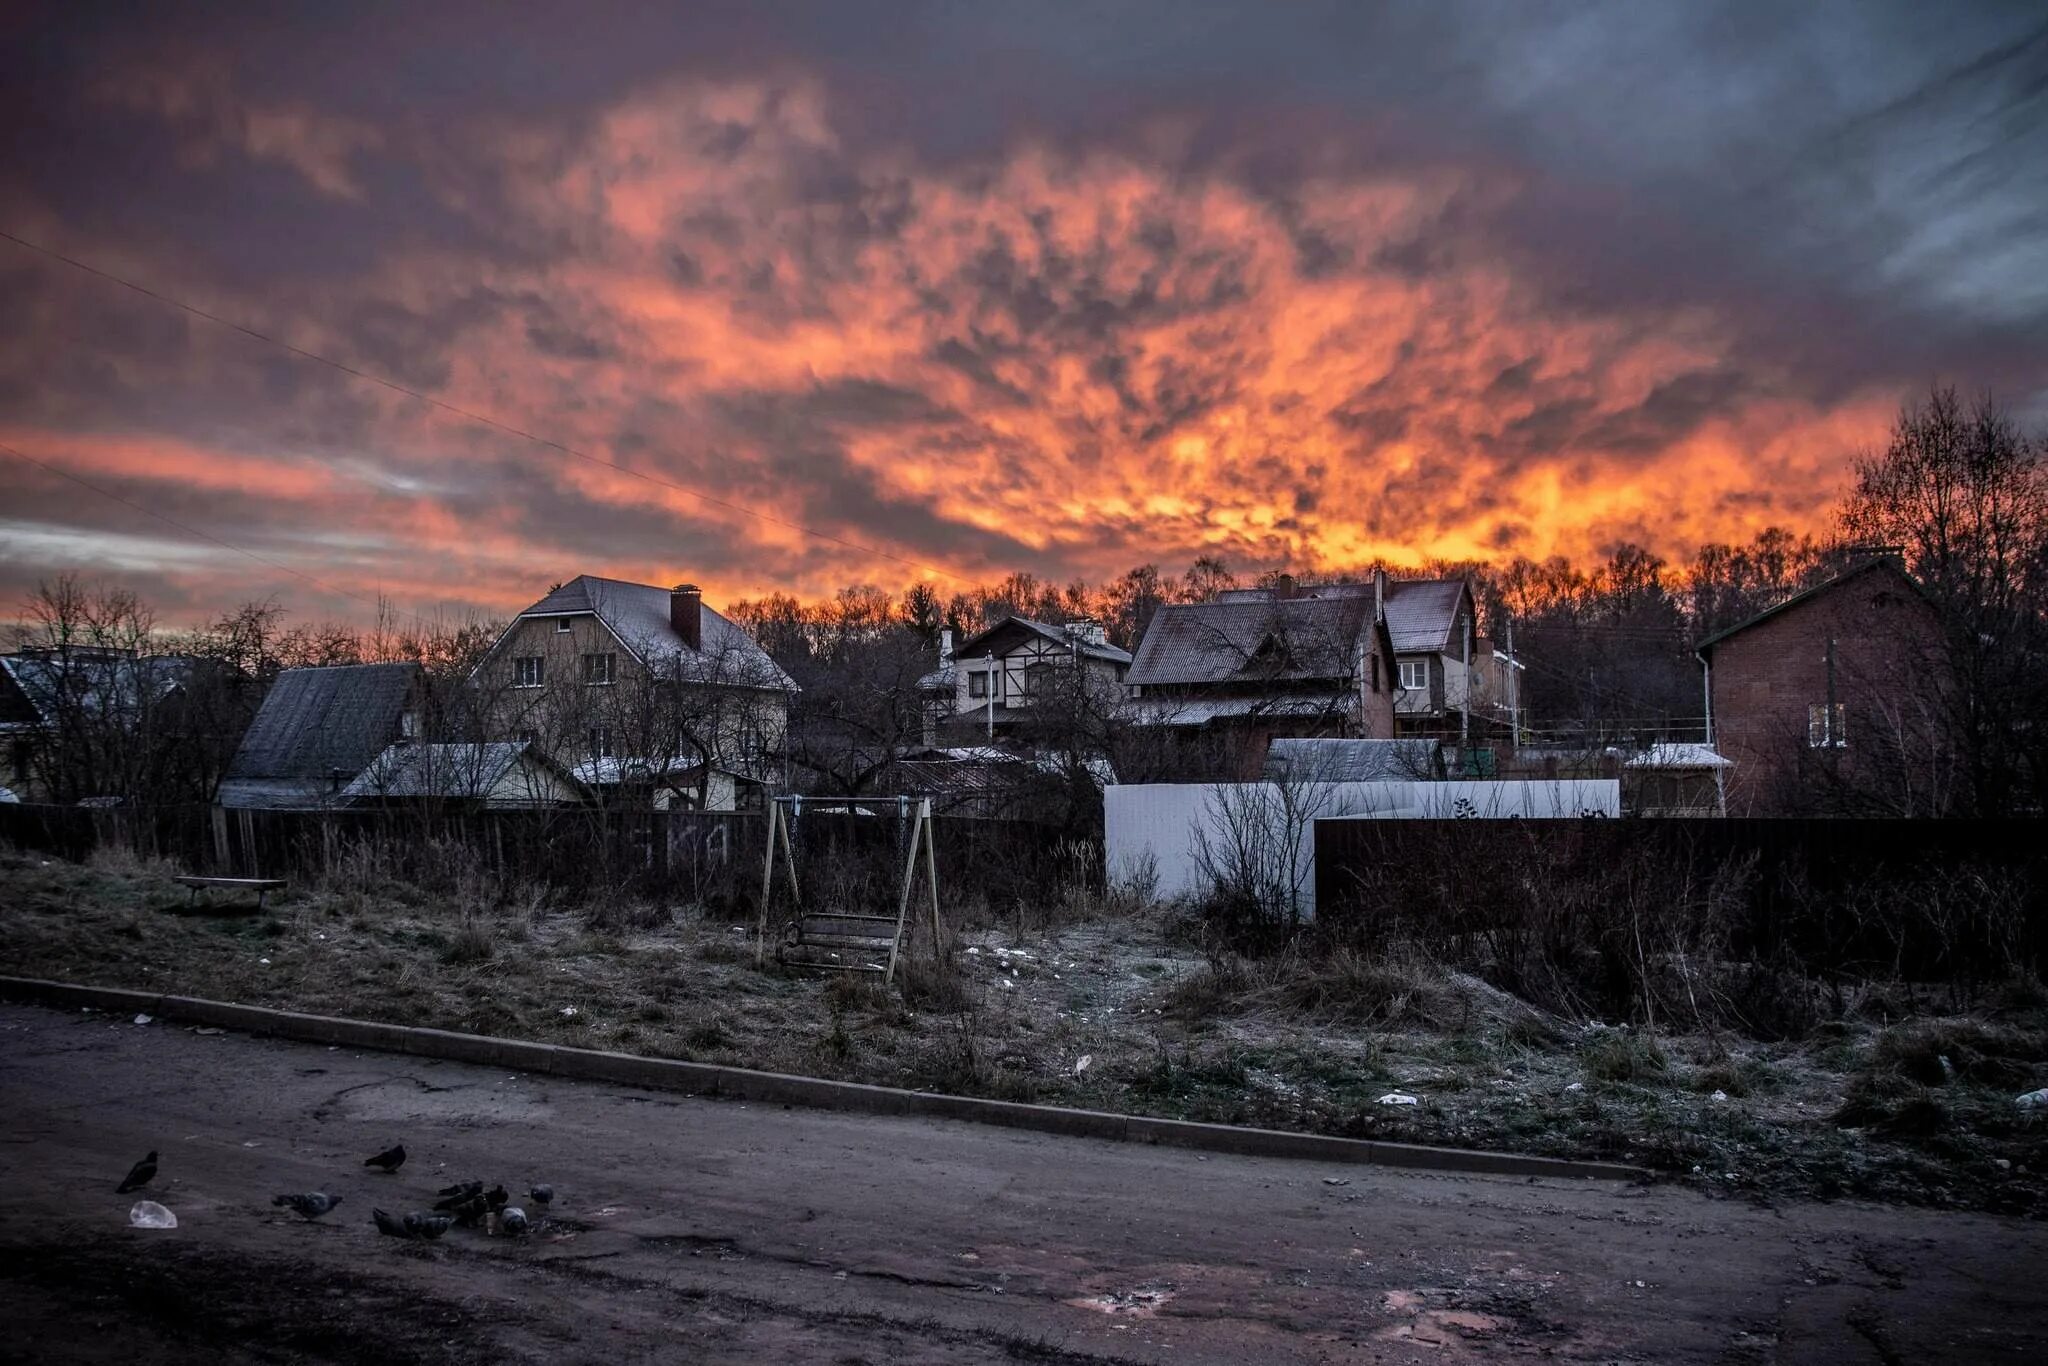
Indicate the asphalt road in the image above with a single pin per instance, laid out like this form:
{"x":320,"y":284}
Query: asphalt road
{"x":696,"y":1230}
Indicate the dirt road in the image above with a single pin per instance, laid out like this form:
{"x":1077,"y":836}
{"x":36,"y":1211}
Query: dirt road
{"x":705,"y":1231}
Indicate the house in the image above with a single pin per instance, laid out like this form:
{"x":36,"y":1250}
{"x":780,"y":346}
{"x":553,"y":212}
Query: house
{"x":500,"y":775}
{"x":1221,"y":680}
{"x":1838,"y":701}
{"x":319,"y":728}
{"x":999,"y":675}
{"x":89,"y":722}
{"x":646,"y":694}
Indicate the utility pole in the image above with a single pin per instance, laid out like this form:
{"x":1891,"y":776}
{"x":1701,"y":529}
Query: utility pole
{"x":1514,"y":695}
{"x":993,"y":682}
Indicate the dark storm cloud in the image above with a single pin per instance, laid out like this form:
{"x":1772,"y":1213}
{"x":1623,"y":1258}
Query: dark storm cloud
{"x":1065,"y":246}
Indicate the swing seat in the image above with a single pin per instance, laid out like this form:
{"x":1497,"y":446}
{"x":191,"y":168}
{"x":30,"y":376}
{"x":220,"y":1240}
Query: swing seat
{"x":839,"y":941}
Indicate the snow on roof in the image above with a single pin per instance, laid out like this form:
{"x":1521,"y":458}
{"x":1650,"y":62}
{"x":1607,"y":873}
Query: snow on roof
{"x":1677,"y":755}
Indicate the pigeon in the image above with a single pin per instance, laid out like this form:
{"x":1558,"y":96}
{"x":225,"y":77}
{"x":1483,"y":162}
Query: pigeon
{"x":388,"y":1161}
{"x":311,"y":1205}
{"x":512,"y":1220}
{"x":139,"y":1175}
{"x":543,"y":1195}
{"x":451,"y":1196}
{"x":496,"y":1197}
{"x":427,"y":1226}
{"x":390,"y":1226}
{"x":469,"y":1213}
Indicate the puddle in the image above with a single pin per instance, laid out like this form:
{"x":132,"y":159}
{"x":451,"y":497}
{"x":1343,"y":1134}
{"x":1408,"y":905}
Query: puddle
{"x":1141,"y":1303}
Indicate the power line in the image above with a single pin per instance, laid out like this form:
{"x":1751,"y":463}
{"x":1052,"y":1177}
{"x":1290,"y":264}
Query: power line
{"x":472,"y":415}
{"x":201,"y":533}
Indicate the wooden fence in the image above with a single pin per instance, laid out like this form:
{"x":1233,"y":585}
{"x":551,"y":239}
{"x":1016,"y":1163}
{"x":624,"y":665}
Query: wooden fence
{"x":712,"y":858}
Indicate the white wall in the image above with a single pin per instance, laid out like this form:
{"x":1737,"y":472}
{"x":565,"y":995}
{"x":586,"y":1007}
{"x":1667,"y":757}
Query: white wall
{"x":1158,"y":821}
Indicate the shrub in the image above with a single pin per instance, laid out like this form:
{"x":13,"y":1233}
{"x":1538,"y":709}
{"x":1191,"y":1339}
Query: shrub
{"x":1624,"y":1055}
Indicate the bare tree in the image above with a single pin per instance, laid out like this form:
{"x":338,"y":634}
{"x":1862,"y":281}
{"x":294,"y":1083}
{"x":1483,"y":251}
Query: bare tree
{"x":1962,"y":493}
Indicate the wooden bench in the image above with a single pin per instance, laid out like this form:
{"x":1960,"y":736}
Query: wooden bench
{"x":838,"y":940}
{"x":262,"y":886}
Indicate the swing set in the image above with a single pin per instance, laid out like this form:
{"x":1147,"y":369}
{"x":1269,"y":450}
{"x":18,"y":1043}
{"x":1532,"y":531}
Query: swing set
{"x":845,"y":939}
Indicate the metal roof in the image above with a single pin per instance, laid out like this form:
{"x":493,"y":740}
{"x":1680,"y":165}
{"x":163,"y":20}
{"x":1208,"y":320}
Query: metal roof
{"x":637,"y":613}
{"x":1355,"y":761}
{"x":1254,"y":642}
{"x":457,"y":771}
{"x":975,"y":645}
{"x":316,"y":722}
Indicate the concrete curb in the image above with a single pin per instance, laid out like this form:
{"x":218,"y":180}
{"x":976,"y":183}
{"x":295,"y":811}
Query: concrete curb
{"x":738,"y":1083}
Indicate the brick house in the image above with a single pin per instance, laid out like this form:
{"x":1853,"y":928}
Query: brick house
{"x":644,"y":694}
{"x":1835,"y":702}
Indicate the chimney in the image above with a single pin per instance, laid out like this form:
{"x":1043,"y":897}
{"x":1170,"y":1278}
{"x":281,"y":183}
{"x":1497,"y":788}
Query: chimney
{"x":1088,"y":631}
{"x":1283,"y":587}
{"x":686,"y":614}
{"x":1379,"y":595}
{"x":945,"y":646}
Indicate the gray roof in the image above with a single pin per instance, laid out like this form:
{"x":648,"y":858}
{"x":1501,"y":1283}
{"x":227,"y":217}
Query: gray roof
{"x":1058,"y":635}
{"x":416,"y":770}
{"x":1884,"y":562}
{"x":91,"y":680}
{"x":1200,"y":711}
{"x":637,"y":614}
{"x":315,"y":722}
{"x":1355,"y":761}
{"x":1252,"y":642}
{"x":1422,"y":612}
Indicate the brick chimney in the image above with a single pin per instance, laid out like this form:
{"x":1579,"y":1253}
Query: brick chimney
{"x":1283,"y":587}
{"x":945,"y":646}
{"x":686,"y":614}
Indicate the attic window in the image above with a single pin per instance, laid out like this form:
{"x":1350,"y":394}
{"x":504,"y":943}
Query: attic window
{"x":561,"y":626}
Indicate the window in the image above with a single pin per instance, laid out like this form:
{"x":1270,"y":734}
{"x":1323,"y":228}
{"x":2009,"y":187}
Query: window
{"x":561,"y":626}
{"x":977,"y":684}
{"x":1036,"y":676}
{"x":526,"y":671}
{"x":1825,"y":731}
{"x":1414,"y":675}
{"x":599,"y":670}
{"x":409,"y":724}
{"x":601,"y":742}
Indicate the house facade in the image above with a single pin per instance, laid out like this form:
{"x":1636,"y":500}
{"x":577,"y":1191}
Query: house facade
{"x":644,"y":694}
{"x":1219,"y":681}
{"x":995,"y":678}
{"x":1837,"y":701}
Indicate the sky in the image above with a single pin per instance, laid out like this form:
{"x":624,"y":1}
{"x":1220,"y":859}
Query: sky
{"x":862,"y":292}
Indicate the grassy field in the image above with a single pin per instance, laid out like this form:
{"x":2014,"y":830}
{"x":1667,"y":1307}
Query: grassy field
{"x":1109,"y":1007}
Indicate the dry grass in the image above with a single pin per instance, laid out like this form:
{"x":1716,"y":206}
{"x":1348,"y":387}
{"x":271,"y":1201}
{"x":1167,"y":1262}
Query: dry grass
{"x":1104,"y":1009}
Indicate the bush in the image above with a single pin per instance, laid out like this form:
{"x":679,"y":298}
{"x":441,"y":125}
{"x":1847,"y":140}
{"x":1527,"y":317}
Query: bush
{"x":1624,"y":1055}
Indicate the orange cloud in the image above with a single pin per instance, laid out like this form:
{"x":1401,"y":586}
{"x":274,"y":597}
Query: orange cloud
{"x":1070,"y":361}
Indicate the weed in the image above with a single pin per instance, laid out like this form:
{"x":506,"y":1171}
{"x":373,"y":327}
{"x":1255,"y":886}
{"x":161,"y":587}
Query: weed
{"x":1623,"y":1055}
{"x":472,"y":942}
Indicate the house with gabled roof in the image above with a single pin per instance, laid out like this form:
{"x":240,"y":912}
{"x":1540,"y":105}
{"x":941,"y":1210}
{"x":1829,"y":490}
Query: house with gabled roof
{"x":996,"y":677}
{"x":1840,"y":700}
{"x":487,"y":775}
{"x":645,"y":694}
{"x":1228,"y":677}
{"x":319,"y":728}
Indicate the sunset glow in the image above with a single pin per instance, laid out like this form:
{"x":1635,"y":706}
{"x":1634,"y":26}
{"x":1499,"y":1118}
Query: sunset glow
{"x":1029,"y":348}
